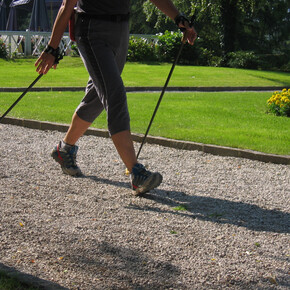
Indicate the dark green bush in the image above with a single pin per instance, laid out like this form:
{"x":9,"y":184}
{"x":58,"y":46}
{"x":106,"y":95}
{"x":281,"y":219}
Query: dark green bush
{"x":242,"y":59}
{"x":74,"y":50}
{"x":286,"y":67}
{"x":274,"y":61}
{"x":168,"y":45}
{"x":141,"y":49}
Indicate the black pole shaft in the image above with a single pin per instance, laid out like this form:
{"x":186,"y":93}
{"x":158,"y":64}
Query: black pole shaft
{"x":22,"y":95}
{"x":161,"y":96}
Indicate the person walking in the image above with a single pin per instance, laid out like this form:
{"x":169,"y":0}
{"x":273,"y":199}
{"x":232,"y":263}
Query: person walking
{"x":102,"y":36}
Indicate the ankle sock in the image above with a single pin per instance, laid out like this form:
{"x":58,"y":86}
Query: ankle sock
{"x":65,"y":145}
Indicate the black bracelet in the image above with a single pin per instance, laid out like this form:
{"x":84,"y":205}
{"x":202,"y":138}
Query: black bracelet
{"x":181,"y":18}
{"x":54,"y":52}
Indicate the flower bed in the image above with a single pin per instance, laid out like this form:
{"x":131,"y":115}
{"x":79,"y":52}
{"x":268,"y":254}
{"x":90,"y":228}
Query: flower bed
{"x":279,"y":103}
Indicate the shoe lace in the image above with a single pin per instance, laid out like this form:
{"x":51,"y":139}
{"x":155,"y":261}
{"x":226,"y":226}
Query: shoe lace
{"x":144,"y":172}
{"x":140,"y":175}
{"x":70,"y":158}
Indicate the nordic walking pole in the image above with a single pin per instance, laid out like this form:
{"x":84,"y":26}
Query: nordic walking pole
{"x":164,"y":88}
{"x":22,"y":95}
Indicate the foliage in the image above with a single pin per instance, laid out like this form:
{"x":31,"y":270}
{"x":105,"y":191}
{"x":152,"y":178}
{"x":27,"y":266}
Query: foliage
{"x":279,"y":103}
{"x":141,"y":49}
{"x":74,"y":50}
{"x":259,"y":28}
{"x":3,"y":50}
{"x":165,"y":49}
{"x":168,"y":45}
{"x":180,"y":208}
{"x":138,"y":23}
{"x":242,"y":59}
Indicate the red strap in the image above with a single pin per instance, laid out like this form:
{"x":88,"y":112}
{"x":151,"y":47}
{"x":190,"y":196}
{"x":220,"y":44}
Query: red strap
{"x":71,"y":26}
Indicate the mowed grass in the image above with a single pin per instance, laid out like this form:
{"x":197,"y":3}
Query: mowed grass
{"x":237,"y":120}
{"x":71,"y":72}
{"x":9,"y":283}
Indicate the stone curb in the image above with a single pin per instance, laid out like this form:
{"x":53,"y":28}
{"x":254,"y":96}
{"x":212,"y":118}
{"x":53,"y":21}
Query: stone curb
{"x":30,"y":279}
{"x":185,"y":145}
{"x":152,"y":89}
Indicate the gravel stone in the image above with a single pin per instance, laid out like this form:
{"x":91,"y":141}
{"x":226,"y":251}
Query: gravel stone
{"x":214,"y":223}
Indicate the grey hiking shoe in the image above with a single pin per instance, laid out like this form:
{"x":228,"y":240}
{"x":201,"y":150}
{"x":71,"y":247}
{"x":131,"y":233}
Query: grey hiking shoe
{"x":143,"y":180}
{"x":67,"y":159}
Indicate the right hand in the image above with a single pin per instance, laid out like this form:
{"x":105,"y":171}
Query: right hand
{"x":189,"y":34}
{"x":45,"y":62}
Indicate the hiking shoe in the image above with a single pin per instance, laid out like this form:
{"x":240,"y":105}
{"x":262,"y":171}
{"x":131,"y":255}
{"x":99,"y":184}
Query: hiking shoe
{"x":67,"y":159}
{"x":144,"y":180}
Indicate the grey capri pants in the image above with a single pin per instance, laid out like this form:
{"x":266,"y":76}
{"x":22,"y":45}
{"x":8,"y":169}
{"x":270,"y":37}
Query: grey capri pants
{"x":103,"y":46}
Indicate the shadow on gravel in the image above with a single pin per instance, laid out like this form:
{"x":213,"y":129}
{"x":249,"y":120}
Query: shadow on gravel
{"x":107,"y":181}
{"x":221,"y":211}
{"x":216,"y":210}
{"x":119,"y":267}
{"x":29,"y":280}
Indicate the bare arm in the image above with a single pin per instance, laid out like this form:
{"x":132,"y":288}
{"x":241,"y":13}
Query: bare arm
{"x":169,"y":9}
{"x":46,"y":61}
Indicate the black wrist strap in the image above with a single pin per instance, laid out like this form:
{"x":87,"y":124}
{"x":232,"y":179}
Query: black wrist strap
{"x":181,"y":19}
{"x":54,"y":52}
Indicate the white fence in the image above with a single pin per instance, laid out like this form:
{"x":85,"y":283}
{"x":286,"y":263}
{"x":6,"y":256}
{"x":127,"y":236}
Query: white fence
{"x":27,"y":43}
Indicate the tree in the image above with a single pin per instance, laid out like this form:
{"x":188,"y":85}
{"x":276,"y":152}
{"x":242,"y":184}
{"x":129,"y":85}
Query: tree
{"x":138,"y":23}
{"x":231,"y":25}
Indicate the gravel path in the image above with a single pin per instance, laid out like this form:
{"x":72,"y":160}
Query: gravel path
{"x":214,"y":223}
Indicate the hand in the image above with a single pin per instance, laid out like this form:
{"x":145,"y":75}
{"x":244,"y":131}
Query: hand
{"x":189,"y":34}
{"x":45,"y":62}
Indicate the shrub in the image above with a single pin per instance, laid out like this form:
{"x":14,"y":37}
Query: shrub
{"x":141,"y":49}
{"x":242,"y":59}
{"x":286,"y":67}
{"x":74,"y":50}
{"x":279,"y":103}
{"x":168,"y":45}
{"x":3,"y":49}
{"x":274,"y":61}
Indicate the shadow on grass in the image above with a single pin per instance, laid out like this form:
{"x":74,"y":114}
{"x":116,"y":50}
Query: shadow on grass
{"x":283,"y":84}
{"x":216,"y":210}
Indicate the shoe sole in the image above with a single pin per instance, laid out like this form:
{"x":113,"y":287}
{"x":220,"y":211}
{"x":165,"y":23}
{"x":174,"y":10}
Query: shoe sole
{"x":152,"y":182}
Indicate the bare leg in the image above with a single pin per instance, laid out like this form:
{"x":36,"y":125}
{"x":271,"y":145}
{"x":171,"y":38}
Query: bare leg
{"x":77,"y":128}
{"x":124,"y":145}
{"x":122,"y":140}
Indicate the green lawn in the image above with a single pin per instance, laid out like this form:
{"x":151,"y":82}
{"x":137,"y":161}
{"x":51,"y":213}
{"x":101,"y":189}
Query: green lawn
{"x":228,"y":119}
{"x":71,"y":72}
{"x":9,"y":283}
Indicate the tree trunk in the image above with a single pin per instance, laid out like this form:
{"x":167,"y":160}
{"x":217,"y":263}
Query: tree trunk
{"x":229,"y":20}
